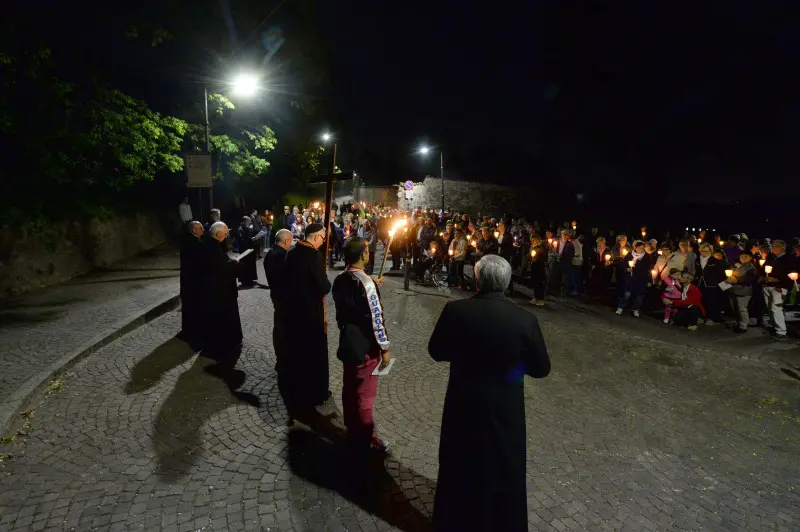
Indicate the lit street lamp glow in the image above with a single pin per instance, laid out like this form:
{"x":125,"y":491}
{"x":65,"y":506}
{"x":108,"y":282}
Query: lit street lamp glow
{"x":326,"y":137}
{"x":245,"y":85}
{"x":424,"y":150}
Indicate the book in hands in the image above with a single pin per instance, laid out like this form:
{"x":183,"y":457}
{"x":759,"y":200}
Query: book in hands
{"x":385,"y":371}
{"x":240,"y":256}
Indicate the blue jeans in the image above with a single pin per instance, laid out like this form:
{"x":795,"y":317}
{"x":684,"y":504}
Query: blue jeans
{"x":634,"y":299}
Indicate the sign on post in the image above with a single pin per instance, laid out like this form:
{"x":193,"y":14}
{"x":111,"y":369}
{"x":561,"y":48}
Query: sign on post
{"x":408,"y":185}
{"x":198,"y":170}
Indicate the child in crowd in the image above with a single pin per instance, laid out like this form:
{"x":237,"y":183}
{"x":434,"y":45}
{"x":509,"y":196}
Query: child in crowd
{"x":690,"y":305}
{"x":672,"y":290}
{"x":744,"y":278}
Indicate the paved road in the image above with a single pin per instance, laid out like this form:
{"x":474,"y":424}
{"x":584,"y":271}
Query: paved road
{"x":39,"y":328}
{"x":627,"y":433}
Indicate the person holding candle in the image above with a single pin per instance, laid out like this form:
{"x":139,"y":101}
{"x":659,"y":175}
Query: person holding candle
{"x":743,"y":279}
{"x":538,"y":271}
{"x":491,"y":344}
{"x":777,"y":286}
{"x":458,"y":253}
{"x":601,"y":264}
{"x":672,"y":291}
{"x":634,"y":281}
{"x":711,"y":272}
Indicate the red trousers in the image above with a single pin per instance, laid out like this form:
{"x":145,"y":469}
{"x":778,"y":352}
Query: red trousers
{"x":358,"y":397}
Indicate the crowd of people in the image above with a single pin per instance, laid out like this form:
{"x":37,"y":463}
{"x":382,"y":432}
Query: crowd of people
{"x":694,"y":279}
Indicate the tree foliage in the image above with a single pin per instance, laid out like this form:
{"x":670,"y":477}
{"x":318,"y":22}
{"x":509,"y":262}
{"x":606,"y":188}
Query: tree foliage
{"x":67,"y":142}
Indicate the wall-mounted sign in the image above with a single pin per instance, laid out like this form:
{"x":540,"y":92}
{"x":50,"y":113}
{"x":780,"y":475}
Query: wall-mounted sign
{"x":198,"y":170}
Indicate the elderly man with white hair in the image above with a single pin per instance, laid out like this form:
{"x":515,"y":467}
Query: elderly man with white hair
{"x":222,"y":326}
{"x":491,"y":344}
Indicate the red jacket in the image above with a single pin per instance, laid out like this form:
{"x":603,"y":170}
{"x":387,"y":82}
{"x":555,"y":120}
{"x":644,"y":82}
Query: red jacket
{"x":693,"y":298}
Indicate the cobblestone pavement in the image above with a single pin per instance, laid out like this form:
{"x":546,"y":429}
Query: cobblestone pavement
{"x":39,"y":328}
{"x":627,"y":433}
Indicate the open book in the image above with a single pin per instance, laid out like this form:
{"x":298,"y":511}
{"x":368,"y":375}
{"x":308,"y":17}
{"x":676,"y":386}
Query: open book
{"x":385,"y":371}
{"x":239,"y":256}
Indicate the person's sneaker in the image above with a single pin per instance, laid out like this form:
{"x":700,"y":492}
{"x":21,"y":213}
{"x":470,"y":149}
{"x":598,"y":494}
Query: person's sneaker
{"x":636,"y":313}
{"x":539,"y":303}
{"x":692,"y":327}
{"x":619,"y":312}
{"x":779,"y":337}
{"x":380,"y":446}
{"x":666,"y":322}
{"x":739,"y":330}
{"x":710,"y":322}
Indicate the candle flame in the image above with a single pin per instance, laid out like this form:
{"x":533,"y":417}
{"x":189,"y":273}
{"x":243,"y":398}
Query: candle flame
{"x":793,"y":276}
{"x":608,"y":256}
{"x":768,"y":269}
{"x":728,"y":273}
{"x":497,"y":234}
{"x":533,"y":253}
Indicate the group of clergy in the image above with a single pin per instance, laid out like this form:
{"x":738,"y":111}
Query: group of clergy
{"x":489,"y":341}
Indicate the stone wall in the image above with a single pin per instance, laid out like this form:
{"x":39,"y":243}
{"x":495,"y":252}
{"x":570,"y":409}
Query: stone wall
{"x":33,"y":257}
{"x":383,"y":195}
{"x":469,"y":197}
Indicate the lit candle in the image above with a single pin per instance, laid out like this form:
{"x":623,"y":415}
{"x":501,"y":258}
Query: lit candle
{"x":533,"y":254}
{"x":728,"y":273}
{"x":497,"y":234}
{"x":624,"y":251}
{"x":441,"y":233}
{"x":761,"y":262}
{"x":474,"y":243}
{"x":768,"y":269}
{"x":630,"y":263}
{"x":654,"y":273}
{"x":450,"y":251}
{"x":469,"y":237}
{"x":644,"y":233}
{"x":699,"y":240}
{"x":608,"y":256}
{"x":793,"y":276}
{"x":555,"y":244}
{"x":660,"y":252}
{"x":549,"y":241}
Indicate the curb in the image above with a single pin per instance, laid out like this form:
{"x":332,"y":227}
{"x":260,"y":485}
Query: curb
{"x":20,"y":398}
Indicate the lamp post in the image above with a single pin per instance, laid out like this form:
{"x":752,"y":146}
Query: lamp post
{"x":424,"y":151}
{"x":245,"y":85}
{"x":326,"y":138}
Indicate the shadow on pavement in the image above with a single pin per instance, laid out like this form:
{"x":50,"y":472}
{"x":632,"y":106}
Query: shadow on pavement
{"x":19,"y":318}
{"x":199,"y":395}
{"x":125,"y":279}
{"x":321,"y":462}
{"x":149,"y":370}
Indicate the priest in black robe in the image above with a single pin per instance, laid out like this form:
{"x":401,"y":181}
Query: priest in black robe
{"x":191,"y":285}
{"x":491,"y":344}
{"x":306,"y":371}
{"x":222,"y":326}
{"x":277,"y":278}
{"x":245,"y":234}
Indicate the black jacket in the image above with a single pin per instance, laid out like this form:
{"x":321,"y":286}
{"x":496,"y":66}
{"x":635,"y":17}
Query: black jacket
{"x":354,"y":319}
{"x":191,"y":267}
{"x":308,"y":284}
{"x":275,"y":270}
{"x":711,"y":275}
{"x":781,"y":267}
{"x":491,"y":344}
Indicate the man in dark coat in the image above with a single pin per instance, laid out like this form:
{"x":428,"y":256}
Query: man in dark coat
{"x":245,"y":235}
{"x":277,"y":278}
{"x":222,"y":326}
{"x":306,"y":368}
{"x":491,"y":344}
{"x":192,"y":306}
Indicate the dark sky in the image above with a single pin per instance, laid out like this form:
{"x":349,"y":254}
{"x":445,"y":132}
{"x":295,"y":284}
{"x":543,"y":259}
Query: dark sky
{"x":588,"y":94}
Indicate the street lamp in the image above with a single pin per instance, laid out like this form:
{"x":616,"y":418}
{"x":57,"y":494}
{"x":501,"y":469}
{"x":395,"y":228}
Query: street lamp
{"x":424,"y":150}
{"x":245,"y":84}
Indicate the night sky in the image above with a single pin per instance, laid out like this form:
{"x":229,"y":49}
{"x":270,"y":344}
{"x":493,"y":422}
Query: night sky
{"x":667,"y":99}
{"x":623,"y":94}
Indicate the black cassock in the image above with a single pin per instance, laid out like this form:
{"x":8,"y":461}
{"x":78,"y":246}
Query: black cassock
{"x":491,"y":345}
{"x":247,"y":266}
{"x":192,"y":290}
{"x":306,"y":372}
{"x":222,"y":326}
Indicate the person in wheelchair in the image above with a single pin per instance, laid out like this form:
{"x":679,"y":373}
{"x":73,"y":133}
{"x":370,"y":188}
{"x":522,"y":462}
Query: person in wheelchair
{"x":430,"y":256}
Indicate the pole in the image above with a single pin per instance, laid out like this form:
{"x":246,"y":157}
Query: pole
{"x":386,"y":254}
{"x":208,"y":146}
{"x":329,"y":204}
{"x":441,"y":176}
{"x":407,"y":266}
